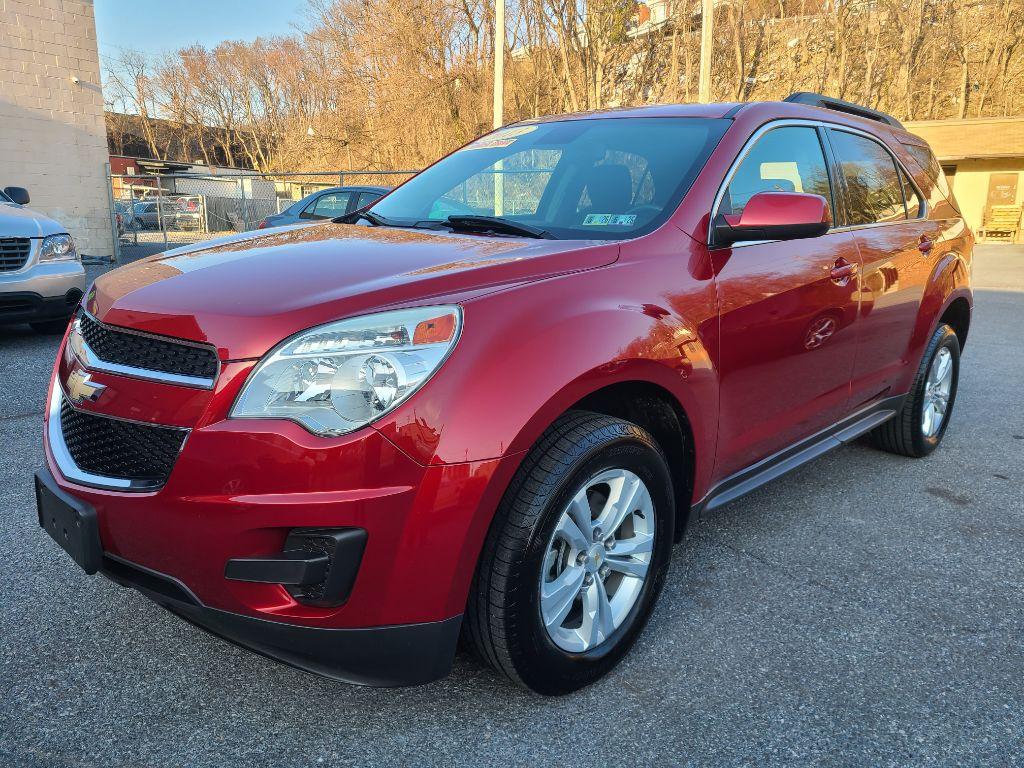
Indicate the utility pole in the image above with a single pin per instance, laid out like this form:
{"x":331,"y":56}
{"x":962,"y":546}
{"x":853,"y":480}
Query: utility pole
{"x":499,"y":63}
{"x":707,"y":41}
{"x":499,"y":100}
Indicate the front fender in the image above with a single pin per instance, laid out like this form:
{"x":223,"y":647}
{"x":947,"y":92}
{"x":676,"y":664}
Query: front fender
{"x":527,"y":355}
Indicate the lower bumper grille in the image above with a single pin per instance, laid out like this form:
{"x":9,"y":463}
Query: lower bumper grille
{"x":114,"y":448}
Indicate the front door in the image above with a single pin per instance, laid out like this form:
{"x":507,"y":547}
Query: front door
{"x":788,"y":336}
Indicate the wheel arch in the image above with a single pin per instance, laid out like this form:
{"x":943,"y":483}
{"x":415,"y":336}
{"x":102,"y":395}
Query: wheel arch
{"x":957,"y":315}
{"x":656,"y":410}
{"x":947,"y":298}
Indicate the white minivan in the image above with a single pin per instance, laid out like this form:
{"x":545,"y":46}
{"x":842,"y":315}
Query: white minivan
{"x":41,"y":274}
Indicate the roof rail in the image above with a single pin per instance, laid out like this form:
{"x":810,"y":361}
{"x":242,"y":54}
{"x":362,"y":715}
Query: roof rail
{"x":838,"y":105}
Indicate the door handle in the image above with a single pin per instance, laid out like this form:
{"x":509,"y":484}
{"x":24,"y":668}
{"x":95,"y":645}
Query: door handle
{"x":841,"y":271}
{"x":924,"y":245}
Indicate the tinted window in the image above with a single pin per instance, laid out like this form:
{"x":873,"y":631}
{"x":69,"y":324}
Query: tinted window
{"x":783,"y":160}
{"x":4,"y":198}
{"x":914,"y":206}
{"x":873,"y":190}
{"x":602,"y":178}
{"x":327,"y":206}
{"x":926,"y":159}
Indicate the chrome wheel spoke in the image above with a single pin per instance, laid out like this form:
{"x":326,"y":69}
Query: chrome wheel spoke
{"x":569,"y":530}
{"x":628,"y":566}
{"x":598,"y":622}
{"x":628,"y":494}
{"x":557,"y":596}
{"x":579,"y":512}
{"x":944,"y":367}
{"x":639,"y":544}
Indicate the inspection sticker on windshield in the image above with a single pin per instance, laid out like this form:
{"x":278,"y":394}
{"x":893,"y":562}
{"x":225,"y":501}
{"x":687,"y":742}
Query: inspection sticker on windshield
{"x":608,"y":220}
{"x":502,"y":138}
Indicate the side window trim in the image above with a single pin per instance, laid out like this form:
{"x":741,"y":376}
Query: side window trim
{"x":840,"y":215}
{"x":901,"y":171}
{"x":746,"y":149}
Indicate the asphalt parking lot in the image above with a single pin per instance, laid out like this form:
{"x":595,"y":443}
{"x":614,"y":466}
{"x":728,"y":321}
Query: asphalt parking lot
{"x":865,"y":610}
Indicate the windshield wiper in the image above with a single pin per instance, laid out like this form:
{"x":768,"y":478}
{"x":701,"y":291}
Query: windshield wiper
{"x":497,"y":225}
{"x":373,"y":218}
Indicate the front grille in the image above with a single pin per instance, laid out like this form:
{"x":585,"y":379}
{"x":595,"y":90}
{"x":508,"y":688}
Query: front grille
{"x":132,"y":349}
{"x":127,"y":450}
{"x":14,"y":253}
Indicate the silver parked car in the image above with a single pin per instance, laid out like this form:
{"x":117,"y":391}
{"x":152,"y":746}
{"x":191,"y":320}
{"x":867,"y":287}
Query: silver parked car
{"x":41,"y":274}
{"x":326,"y":204}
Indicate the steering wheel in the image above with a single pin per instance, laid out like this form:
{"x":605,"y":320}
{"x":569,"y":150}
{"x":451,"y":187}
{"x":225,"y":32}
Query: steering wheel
{"x":448,"y":207}
{"x":636,"y":209}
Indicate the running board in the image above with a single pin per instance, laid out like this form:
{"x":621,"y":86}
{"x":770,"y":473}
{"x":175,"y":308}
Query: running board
{"x":788,"y":459}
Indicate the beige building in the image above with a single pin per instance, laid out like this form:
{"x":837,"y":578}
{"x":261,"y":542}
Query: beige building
{"x":52,"y":135}
{"x":983,"y":159}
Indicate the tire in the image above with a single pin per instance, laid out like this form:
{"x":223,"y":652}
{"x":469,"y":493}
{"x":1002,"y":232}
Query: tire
{"x":906,"y":433}
{"x":50,"y":327}
{"x":504,"y":624}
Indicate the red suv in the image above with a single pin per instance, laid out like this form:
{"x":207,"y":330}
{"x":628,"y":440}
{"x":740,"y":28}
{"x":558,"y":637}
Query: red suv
{"x":488,"y":406}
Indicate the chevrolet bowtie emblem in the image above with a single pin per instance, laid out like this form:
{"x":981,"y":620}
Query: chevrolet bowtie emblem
{"x":81,"y":387}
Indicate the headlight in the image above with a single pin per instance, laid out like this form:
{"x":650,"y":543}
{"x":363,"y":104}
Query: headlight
{"x":339,"y":377}
{"x":57,"y":248}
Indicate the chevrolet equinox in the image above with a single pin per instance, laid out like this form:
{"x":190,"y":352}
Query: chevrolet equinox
{"x":486,"y":406}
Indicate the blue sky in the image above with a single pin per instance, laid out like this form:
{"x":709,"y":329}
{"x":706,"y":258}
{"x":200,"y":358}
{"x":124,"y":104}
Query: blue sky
{"x":156,"y":26}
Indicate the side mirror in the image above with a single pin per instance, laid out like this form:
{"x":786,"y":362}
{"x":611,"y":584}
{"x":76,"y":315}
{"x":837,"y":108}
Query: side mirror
{"x":18,"y":195}
{"x":775,"y":216}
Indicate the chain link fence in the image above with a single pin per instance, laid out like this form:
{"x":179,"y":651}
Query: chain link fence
{"x":154,"y":212}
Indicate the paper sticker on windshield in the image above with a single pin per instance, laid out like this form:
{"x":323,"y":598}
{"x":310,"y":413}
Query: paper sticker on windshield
{"x":502,"y":138}
{"x":608,"y":220}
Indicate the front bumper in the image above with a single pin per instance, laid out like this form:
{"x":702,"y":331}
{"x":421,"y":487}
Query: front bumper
{"x":48,"y":291}
{"x":393,"y":655}
{"x":409,"y":654}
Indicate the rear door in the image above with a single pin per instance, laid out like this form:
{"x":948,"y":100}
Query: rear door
{"x":898,"y":245}
{"x":788,"y":335}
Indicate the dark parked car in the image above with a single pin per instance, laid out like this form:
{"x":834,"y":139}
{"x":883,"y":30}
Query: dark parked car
{"x":344,"y":445}
{"x":153,"y":215}
{"x":326,"y":204}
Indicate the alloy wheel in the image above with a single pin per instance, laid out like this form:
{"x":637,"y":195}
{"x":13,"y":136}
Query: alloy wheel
{"x":936,"y":392}
{"x":597,"y":560}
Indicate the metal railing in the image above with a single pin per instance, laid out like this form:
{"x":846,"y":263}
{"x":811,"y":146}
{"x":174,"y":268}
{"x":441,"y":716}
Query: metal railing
{"x":153,"y":212}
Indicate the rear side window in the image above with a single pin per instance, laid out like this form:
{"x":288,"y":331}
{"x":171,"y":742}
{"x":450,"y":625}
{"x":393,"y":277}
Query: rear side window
{"x":915,"y":208}
{"x":788,"y":159}
{"x":924,"y":157}
{"x":874,"y":192}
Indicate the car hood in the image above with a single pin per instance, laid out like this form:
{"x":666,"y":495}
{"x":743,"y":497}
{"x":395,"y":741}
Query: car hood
{"x":16,"y":221}
{"x":244,"y":294}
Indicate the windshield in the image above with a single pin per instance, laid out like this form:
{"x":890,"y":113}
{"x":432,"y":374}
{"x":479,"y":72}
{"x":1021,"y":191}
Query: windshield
{"x":605,"y":178}
{"x":4,"y":198}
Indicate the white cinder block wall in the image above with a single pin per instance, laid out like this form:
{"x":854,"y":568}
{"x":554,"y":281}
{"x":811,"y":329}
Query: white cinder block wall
{"x":52,"y":136}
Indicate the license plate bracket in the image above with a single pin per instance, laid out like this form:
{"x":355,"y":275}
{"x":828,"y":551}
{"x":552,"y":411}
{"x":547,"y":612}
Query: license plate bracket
{"x":70,"y":522}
